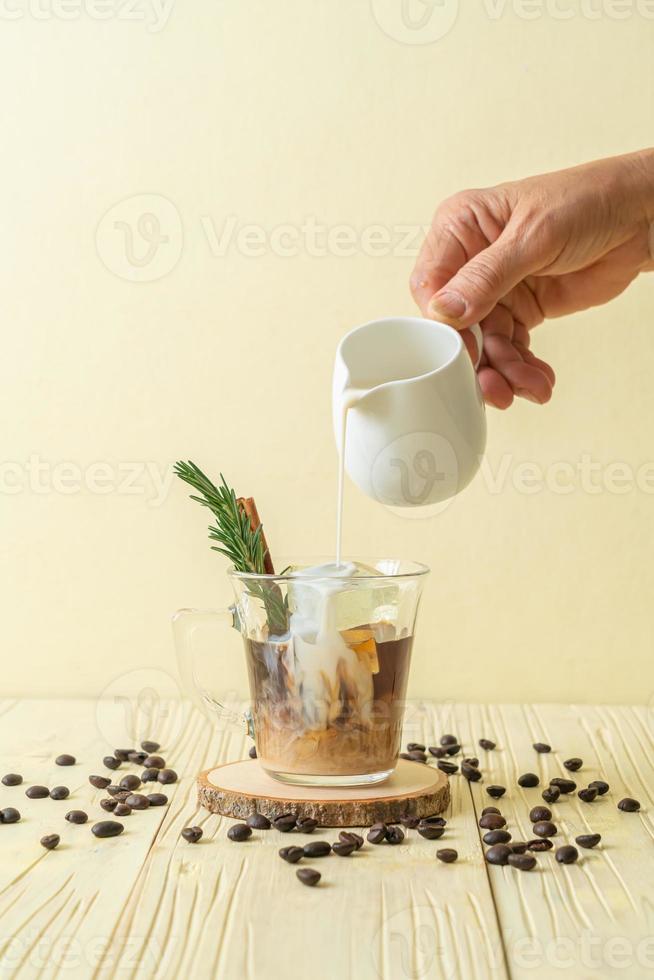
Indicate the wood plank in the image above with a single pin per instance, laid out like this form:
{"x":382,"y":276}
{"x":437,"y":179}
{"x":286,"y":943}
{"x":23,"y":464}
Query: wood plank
{"x":594,"y":918}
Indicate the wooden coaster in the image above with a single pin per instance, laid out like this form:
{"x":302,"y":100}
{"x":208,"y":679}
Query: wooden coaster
{"x":238,"y":789}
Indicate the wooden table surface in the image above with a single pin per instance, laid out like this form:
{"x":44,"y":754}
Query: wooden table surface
{"x":147,"y":904}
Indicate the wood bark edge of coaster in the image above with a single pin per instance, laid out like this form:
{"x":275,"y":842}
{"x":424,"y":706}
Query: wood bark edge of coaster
{"x":328,"y":813}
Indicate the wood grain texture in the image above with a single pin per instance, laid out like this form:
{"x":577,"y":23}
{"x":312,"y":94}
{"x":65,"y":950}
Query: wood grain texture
{"x":147,"y":904}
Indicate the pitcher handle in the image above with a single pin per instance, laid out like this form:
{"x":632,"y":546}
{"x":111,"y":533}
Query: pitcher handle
{"x":185,"y":623}
{"x":475,"y":330}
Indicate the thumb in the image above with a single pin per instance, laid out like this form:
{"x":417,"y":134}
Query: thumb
{"x":479,"y":285}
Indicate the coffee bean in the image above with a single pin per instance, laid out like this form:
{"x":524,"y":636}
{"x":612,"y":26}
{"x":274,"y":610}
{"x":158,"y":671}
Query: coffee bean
{"x":343,"y":849}
{"x":65,"y":760}
{"x":496,"y":791}
{"x":109,"y":804}
{"x":545,"y":828}
{"x":150,"y":775}
{"x":9,"y":815}
{"x":258,"y":821}
{"x":123,"y":754}
{"x":130,"y":782}
{"x":525,"y":862}
{"x":50,"y":841}
{"x":453,"y":749}
{"x":37,"y":792}
{"x":100,"y":782}
{"x":59,"y":793}
{"x":154,"y":762}
{"x":138,"y":758}
{"x":551,"y":794}
{"x":157,"y":799}
{"x":540,"y":845}
{"x":122,"y":810}
{"x":573,"y":764}
{"x":239,"y":832}
{"x":437,"y":751}
{"x":394,"y":835}
{"x":471,"y":773}
{"x":317,"y":849}
{"x":567,"y":854}
{"x":415,"y":747}
{"x":563,"y":784}
{"x":284,"y":822}
{"x":12,"y":779}
{"x":539,"y":813}
{"x":498,"y":854}
{"x":253,"y":752}
{"x":449,"y":740}
{"x":487,"y":744}
{"x":492,"y":821}
{"x":447,"y":855}
{"x":308,"y":876}
{"x":167,"y":776}
{"x":417,"y":756}
{"x":588,"y":795}
{"x":431,"y":828}
{"x":519,"y":847}
{"x":349,"y":837}
{"x":150,"y":746}
{"x":489,"y":809}
{"x":76,"y":816}
{"x":118,"y":793}
{"x":629,"y":805}
{"x":291,"y":854}
{"x":542,"y":747}
{"x":588,"y":840}
{"x":449,"y":768}
{"x":193,"y":834}
{"x":472,"y":762}
{"x":497,"y":837}
{"x":600,"y":786}
{"x":107,"y":828}
{"x":111,"y":762}
{"x":528,"y":779}
{"x":306,"y":825}
{"x":377,"y":833}
{"x":409,"y":821}
{"x":136,"y":801}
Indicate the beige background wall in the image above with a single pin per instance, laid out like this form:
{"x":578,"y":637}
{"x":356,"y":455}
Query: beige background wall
{"x":272,"y":115}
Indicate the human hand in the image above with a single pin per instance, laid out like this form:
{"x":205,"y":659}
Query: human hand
{"x":509,"y":256}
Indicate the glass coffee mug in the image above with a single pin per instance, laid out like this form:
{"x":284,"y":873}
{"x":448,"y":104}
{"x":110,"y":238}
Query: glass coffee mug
{"x":328,"y":651}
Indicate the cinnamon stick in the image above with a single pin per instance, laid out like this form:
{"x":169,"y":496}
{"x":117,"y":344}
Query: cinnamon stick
{"x":249,"y":508}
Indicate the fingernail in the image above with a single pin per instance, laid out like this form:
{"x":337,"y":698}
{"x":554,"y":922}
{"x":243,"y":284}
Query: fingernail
{"x":528,"y":395}
{"x":448,"y":304}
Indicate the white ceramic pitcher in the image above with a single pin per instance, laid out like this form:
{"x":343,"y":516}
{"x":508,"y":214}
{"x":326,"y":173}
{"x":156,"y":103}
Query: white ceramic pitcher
{"x":416,"y":425}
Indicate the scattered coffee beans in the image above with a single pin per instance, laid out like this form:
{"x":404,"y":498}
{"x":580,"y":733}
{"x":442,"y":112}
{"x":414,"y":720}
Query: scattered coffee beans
{"x":453,"y":749}
{"x":157,"y":799}
{"x":525,"y":862}
{"x":150,"y":746}
{"x":629,"y":805}
{"x":415,"y":747}
{"x":447,"y":855}
{"x":492,"y":821}
{"x":449,"y":740}
{"x":409,"y":821}
{"x":109,"y":804}
{"x":317,"y":849}
{"x":239,"y":832}
{"x":540,"y":845}
{"x":65,"y":760}
{"x":122,"y":810}
{"x":167,"y":776}
{"x":37,"y":792}
{"x":574,"y":765}
{"x":437,"y":751}
{"x":12,"y":779}
{"x":496,"y":791}
{"x":518,"y":847}
{"x":417,"y":756}
{"x":306,"y":825}
{"x":59,"y":793}
{"x":9,"y":815}
{"x":253,"y":752}
{"x":471,"y":773}
{"x":193,"y":834}
{"x":291,"y":854}
{"x":138,"y":758}
{"x":343,"y":849}
{"x":449,"y":768}
{"x":588,"y":840}
{"x":497,"y":837}
{"x":285,"y":822}
{"x":258,"y":821}
{"x":349,"y":837}
{"x":107,"y":828}
{"x":539,"y":813}
{"x":542,"y":747}
{"x":498,"y":854}
{"x":489,"y":809}
{"x":123,"y":754}
{"x":119,"y":794}
{"x":111,"y":762}
{"x":136,"y":801}
{"x":100,"y":782}
{"x":394,"y":835}
{"x":588,"y":795}
{"x":50,"y":841}
{"x":600,"y":786}
{"x":528,"y":779}
{"x":487,"y":744}
{"x":473,"y":761}
{"x":308,"y":876}
{"x":545,"y":828}
{"x":563,"y":785}
{"x":567,"y":854}
{"x":76,"y":816}
{"x":551,"y":794}
{"x":154,"y":762}
{"x":377,"y":833}
{"x":150,"y":775}
{"x":130,"y":782}
{"x":431,"y":828}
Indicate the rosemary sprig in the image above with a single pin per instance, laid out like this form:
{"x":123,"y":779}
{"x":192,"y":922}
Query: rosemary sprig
{"x":236,"y":540}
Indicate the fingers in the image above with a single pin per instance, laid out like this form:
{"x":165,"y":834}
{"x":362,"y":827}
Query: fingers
{"x":441,"y":256}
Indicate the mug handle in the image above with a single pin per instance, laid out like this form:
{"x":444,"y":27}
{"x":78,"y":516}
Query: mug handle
{"x":185,"y":624}
{"x":475,"y":330}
